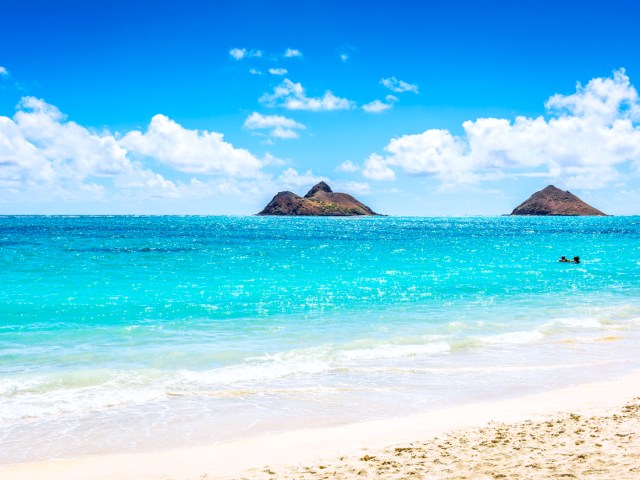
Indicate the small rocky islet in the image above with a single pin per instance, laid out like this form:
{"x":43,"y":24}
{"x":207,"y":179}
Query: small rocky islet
{"x":552,"y":201}
{"x":319,"y":201}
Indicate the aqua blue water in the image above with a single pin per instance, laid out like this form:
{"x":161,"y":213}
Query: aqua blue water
{"x":124,"y":333}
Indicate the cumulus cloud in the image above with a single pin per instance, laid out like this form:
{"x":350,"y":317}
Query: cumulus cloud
{"x":278,"y":71}
{"x":240,"y":53}
{"x":351,"y":187}
{"x":376,"y":168}
{"x":603,"y":98}
{"x":44,"y":156}
{"x":292,"y":96}
{"x":378,"y":106}
{"x":278,"y":126}
{"x":190,"y":151}
{"x":398,"y":86}
{"x":292,"y":53}
{"x":344,"y":57}
{"x":255,"y":71}
{"x":40,"y":148}
{"x":294,"y":180}
{"x":588,"y":139}
{"x":268,"y":159}
{"x":347,"y":166}
{"x":3,"y":71}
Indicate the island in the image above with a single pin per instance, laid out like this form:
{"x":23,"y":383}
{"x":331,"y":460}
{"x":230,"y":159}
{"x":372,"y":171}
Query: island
{"x":553,"y":201}
{"x":319,"y":201}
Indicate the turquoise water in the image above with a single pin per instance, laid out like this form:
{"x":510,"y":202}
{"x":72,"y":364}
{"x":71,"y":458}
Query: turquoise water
{"x":121,"y":333}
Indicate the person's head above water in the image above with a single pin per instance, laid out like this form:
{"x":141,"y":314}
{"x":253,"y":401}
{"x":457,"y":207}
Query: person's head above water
{"x":576,"y":259}
{"x":563,"y":257}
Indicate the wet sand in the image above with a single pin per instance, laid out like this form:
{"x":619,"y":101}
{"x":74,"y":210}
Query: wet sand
{"x":586,"y":431}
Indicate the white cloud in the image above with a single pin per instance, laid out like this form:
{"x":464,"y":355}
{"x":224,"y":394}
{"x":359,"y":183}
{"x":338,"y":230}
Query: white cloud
{"x":292,"y":52}
{"x":602,"y":97}
{"x":590,"y":137}
{"x":376,"y":168}
{"x":254,"y":71}
{"x":378,"y":106}
{"x":190,"y":151}
{"x":292,"y":96}
{"x":398,"y":86}
{"x":240,"y":53}
{"x":278,"y":71}
{"x":41,"y":151}
{"x":292,"y":179}
{"x":44,"y":158}
{"x":279,"y":126}
{"x":347,"y":166}
{"x":351,"y":187}
{"x":344,"y":57}
{"x":3,"y":71}
{"x":269,"y":160}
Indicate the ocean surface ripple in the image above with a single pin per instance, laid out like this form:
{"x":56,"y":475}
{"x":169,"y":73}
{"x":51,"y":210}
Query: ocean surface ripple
{"x":147,"y":332}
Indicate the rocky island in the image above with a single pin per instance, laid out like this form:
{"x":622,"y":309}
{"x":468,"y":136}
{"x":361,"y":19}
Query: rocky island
{"x":319,"y":201}
{"x":553,"y":201}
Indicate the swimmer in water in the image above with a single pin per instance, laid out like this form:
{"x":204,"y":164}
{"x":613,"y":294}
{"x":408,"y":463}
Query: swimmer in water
{"x":564,"y":259}
{"x":576,"y":259}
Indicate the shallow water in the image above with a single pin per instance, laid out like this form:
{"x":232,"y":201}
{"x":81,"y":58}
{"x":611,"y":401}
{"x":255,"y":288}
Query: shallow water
{"x":147,"y":332}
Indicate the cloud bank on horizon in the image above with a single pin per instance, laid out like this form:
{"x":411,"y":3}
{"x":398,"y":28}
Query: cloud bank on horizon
{"x":590,"y":139}
{"x":45,"y":157}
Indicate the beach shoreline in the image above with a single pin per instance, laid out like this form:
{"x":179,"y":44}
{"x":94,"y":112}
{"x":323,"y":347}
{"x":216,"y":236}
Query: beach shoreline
{"x":295,"y":452}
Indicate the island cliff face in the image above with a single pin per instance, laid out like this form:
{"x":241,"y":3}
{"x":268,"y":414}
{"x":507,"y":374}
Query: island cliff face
{"x":553,"y":201}
{"x":319,"y":201}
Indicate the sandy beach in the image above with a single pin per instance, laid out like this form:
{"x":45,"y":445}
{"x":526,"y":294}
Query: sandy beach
{"x":566,"y":446}
{"x":587,"y":431}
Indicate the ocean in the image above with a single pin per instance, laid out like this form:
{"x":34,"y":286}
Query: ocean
{"x":140,"y":333}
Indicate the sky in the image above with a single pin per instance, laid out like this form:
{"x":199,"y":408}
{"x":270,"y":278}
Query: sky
{"x":416,"y":108}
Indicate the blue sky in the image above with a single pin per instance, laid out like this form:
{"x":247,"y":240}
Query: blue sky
{"x":417,"y":108}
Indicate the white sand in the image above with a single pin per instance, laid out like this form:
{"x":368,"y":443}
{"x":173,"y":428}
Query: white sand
{"x":387,"y":448}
